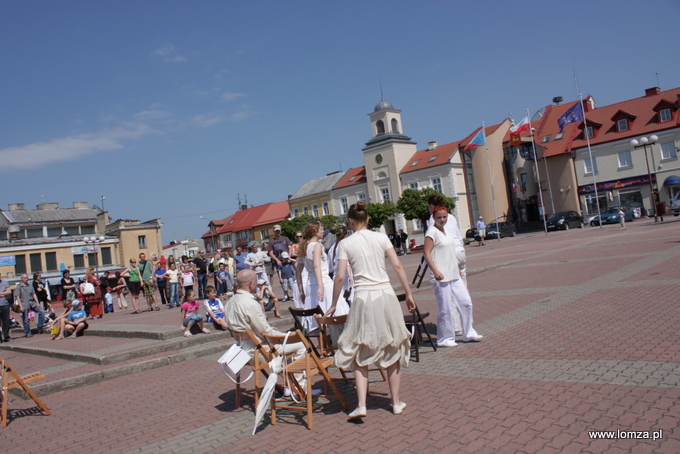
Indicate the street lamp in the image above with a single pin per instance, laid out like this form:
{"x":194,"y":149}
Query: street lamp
{"x":642,"y":143}
{"x":94,"y":241}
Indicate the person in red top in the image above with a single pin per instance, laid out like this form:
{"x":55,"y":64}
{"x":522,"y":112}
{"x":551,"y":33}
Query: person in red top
{"x":93,"y":300}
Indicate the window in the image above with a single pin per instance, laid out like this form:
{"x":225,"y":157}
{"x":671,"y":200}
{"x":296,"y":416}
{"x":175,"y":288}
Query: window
{"x":395,"y":126}
{"x":413,"y":185}
{"x":79,"y":261}
{"x":590,"y":166}
{"x":385,"y":193}
{"x":343,"y":205}
{"x":264,"y":234}
{"x":36,"y":262}
{"x":559,"y":135}
{"x":53,"y":231}
{"x":625,"y":159}
{"x":433,"y":158}
{"x":92,"y":259}
{"x":305,"y":211}
{"x":87,"y":229}
{"x":418,"y":224}
{"x":315,"y":210}
{"x":622,"y":124}
{"x":381,"y":175}
{"x":665,"y":115}
{"x":437,"y":185}
{"x":523,"y":180}
{"x":547,"y":138}
{"x":589,"y":132}
{"x":296,"y":212}
{"x":34,"y":233}
{"x":72,"y":230}
{"x":361,"y":196}
{"x":106,"y":256}
{"x":380,"y":126}
{"x":353,"y":178}
{"x":50,"y":261}
{"x":415,"y":163}
{"x":668,"y":150}
{"x":19,"y":264}
{"x":3,"y":234}
{"x":324,"y":207}
{"x":141,"y":241}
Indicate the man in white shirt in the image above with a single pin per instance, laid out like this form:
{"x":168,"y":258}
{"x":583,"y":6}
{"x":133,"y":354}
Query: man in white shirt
{"x":481,"y":230}
{"x":256,"y":260}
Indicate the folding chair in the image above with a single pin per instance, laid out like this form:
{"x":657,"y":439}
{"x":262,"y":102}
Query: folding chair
{"x":16,"y":381}
{"x":297,"y":314}
{"x":327,"y":343}
{"x":309,"y":365}
{"x":258,"y":364}
{"x":416,"y":322}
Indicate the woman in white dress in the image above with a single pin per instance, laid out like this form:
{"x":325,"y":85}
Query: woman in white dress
{"x":313,"y":258}
{"x":375,"y":334}
{"x":449,"y":288}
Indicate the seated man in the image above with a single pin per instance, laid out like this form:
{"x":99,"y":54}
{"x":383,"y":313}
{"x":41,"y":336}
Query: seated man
{"x":243,"y":311}
{"x":76,"y":321}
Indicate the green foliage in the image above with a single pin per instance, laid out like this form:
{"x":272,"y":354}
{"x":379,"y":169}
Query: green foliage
{"x":413,"y":203}
{"x":290,"y":227}
{"x":379,"y":213}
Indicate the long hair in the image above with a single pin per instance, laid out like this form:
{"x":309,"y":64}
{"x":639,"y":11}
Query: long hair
{"x":340,"y":235}
{"x":310,"y":231}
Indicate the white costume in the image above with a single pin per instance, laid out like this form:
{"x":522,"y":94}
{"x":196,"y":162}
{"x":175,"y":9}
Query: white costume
{"x":375,"y":332}
{"x":333,"y":265}
{"x":449,"y":290}
{"x":311,"y":300}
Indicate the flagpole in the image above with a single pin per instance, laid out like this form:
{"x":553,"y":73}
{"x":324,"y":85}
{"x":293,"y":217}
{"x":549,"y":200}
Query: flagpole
{"x":493,"y":193}
{"x":590,"y":155}
{"x":545,"y":162}
{"x":538,"y":175}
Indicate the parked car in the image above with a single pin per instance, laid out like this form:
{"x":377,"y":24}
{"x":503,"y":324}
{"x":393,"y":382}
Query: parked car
{"x":675,"y":205}
{"x":506,"y":229}
{"x":471,"y":236}
{"x":610,"y":215}
{"x":564,"y":221}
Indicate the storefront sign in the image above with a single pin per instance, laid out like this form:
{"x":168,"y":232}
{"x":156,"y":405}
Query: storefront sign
{"x":77,"y":250}
{"x":616,"y":184}
{"x":8,"y":260}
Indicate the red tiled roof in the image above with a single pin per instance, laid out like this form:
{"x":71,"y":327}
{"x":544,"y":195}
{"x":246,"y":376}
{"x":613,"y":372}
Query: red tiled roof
{"x":641,"y":112}
{"x":488,"y":130}
{"x":422,"y":159}
{"x":358,"y":173}
{"x":259,"y":215}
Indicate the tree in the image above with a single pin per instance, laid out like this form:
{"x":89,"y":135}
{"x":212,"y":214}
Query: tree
{"x":413,"y":203}
{"x":379,"y":213}
{"x":290,"y":227}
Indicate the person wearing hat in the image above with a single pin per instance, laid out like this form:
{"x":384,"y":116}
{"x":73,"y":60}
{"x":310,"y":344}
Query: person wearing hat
{"x":286,"y":272}
{"x":279,"y":244}
{"x":481,"y":231}
{"x":76,"y":321}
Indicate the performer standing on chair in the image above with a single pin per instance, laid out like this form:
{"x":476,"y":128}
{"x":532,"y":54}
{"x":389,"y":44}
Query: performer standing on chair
{"x":448,"y":286}
{"x":386,"y":342}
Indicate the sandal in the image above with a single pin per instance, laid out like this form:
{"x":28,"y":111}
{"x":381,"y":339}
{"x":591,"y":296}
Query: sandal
{"x":135,"y":312}
{"x":188,"y":334}
{"x":206,"y":330}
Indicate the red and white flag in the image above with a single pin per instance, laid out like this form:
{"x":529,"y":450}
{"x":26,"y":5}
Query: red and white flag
{"x":516,"y":130}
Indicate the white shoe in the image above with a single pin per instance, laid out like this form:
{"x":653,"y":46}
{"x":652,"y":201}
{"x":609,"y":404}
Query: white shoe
{"x":358,"y":412}
{"x":399,"y":408}
{"x":474,"y":338}
{"x":447,"y":343}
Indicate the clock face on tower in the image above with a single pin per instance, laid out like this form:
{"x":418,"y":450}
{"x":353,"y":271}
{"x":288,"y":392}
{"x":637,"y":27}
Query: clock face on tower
{"x":378,"y":158}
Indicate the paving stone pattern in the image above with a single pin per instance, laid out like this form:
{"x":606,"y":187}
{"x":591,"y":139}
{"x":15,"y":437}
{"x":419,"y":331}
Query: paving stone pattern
{"x":580,"y":334}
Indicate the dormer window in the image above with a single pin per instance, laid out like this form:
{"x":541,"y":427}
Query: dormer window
{"x":622,"y":124}
{"x":353,"y":178}
{"x":665,"y":115}
{"x":559,"y":135}
{"x":589,"y":132}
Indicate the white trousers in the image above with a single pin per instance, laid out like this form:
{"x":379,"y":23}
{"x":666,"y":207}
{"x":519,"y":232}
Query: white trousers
{"x":449,"y":294}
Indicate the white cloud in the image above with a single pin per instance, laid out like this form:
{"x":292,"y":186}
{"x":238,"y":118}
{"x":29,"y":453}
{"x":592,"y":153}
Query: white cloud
{"x":168,"y":54}
{"x":40,"y":154}
{"x":208,"y":119}
{"x":228,"y":96}
{"x":151,"y":114}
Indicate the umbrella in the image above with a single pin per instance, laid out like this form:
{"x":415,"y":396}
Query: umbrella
{"x":276,"y":366}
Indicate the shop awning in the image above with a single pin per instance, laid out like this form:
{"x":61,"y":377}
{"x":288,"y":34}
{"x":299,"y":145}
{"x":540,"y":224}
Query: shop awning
{"x":671,"y":181}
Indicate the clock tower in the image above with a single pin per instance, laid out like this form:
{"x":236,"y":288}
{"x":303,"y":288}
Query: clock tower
{"x":386,"y":153}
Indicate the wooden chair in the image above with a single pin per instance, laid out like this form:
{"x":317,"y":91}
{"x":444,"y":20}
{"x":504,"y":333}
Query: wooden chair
{"x":258,"y":362}
{"x":416,"y":322}
{"x":297,"y":314}
{"x":309,"y":365}
{"x":326,"y":342}
{"x":10,"y":383}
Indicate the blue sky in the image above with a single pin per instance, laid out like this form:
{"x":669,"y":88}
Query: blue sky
{"x":171,"y":109}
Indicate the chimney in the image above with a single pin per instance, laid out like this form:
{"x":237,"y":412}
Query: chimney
{"x":16,"y":206}
{"x":48,"y":206}
{"x":80,"y":205}
{"x":431,"y":145}
{"x":652,"y":91}
{"x":244,"y":207}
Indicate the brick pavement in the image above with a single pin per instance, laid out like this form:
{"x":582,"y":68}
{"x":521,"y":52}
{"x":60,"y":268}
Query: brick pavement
{"x":580,"y":334}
